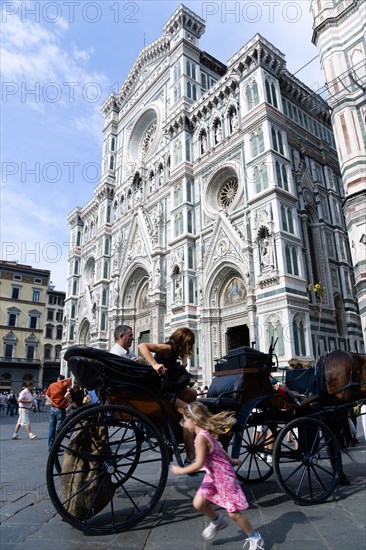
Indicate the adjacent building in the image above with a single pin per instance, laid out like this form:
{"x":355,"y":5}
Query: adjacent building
{"x":27,"y":344}
{"x":220,"y":201}
{"x":340,"y":36}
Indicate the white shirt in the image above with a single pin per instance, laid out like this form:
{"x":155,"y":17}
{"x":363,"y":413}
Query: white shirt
{"x":121,"y":352}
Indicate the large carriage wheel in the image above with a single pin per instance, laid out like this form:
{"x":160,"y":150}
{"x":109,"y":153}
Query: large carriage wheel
{"x":255,"y":452}
{"x":310,"y":472}
{"x":110,"y":477}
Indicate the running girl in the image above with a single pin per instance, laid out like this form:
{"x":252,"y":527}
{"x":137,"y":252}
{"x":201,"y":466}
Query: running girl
{"x":219,"y":485}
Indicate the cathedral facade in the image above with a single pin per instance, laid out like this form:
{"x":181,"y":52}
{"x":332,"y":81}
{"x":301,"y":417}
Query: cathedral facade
{"x":220,"y":202}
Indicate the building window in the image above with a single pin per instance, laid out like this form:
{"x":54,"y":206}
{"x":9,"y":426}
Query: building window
{"x":15,"y":292}
{"x":31,"y":352}
{"x":191,"y":91}
{"x":190,"y":225}
{"x":191,"y":291}
{"x":191,"y":70}
{"x":31,"y":347}
{"x":50,"y":313}
{"x":271,"y":93}
{"x":178,"y":224}
{"x":257,"y":142}
{"x":105,"y":297}
{"x":12,"y":320}
{"x":261,"y":177}
{"x":17,"y":277}
{"x":36,"y":296}
{"x":9,"y":351}
{"x":292,"y":266}
{"x":190,"y":257}
{"x":275,"y":330}
{"x":47,"y":352}
{"x":59,"y":316}
{"x":59,"y":330}
{"x":190,"y":190}
{"x":33,"y":321}
{"x":177,"y":71}
{"x":13,"y":317}
{"x":57,"y":353}
{"x":299,"y":336}
{"x":73,"y":310}
{"x":49,"y":329}
{"x":277,"y":141}
{"x":103,"y":321}
{"x":252,"y":95}
{"x":178,"y":195}
{"x":71,"y":332}
{"x":105,"y":270}
{"x":38,"y":280}
{"x":75,"y":287}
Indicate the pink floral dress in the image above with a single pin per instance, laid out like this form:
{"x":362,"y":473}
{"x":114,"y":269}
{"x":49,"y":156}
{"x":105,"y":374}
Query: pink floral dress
{"x":220,"y":484}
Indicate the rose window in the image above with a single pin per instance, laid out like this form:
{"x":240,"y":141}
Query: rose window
{"x":148,"y":139}
{"x":228,"y":192}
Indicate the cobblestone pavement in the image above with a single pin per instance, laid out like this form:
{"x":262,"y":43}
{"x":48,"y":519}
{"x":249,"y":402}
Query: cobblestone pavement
{"x":29,"y":520}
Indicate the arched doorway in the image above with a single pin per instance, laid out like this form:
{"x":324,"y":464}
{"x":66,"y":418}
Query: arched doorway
{"x":84,"y":338}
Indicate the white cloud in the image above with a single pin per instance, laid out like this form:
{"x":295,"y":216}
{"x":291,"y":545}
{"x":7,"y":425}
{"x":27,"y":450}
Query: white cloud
{"x":33,"y":54}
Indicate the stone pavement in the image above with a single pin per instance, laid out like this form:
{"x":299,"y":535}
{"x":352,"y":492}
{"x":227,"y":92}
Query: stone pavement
{"x":29,"y":521}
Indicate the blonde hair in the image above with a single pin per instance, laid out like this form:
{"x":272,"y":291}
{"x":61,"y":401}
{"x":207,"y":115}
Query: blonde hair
{"x":216,"y":424}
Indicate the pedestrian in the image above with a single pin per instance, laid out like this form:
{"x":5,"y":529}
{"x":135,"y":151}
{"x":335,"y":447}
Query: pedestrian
{"x":12,"y":405}
{"x":220,"y":484}
{"x":55,"y":394}
{"x":2,"y":403}
{"x":170,"y":359}
{"x":25,"y":401}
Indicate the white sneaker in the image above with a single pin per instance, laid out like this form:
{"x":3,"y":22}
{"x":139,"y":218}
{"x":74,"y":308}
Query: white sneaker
{"x":32,"y":436}
{"x":269,"y":459}
{"x":213,"y":528}
{"x":16,"y":436}
{"x":254,"y":543}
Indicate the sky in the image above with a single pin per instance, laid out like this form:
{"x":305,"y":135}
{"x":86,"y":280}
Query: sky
{"x":59,"y":61}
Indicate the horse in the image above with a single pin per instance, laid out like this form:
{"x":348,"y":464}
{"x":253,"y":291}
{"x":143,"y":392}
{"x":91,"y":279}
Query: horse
{"x":343,"y":377}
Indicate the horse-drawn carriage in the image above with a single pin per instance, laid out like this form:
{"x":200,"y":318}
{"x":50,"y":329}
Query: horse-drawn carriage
{"x":109,"y":464}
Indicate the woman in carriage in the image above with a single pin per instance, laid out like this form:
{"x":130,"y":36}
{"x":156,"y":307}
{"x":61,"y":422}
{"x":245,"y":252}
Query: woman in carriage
{"x":170,"y":359}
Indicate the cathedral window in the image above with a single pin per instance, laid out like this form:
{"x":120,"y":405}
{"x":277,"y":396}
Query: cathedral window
{"x":113,"y":143}
{"x":107,"y":245}
{"x":177,"y":70}
{"x":261,"y":177}
{"x":73,"y":311}
{"x":105,"y":297}
{"x":191,"y":91}
{"x":106,"y":270}
{"x":191,"y":291}
{"x":190,"y":257}
{"x":299,"y":336}
{"x":103,"y":321}
{"x":271,"y":95}
{"x":277,"y":142}
{"x":178,"y":224}
{"x":292,"y":266}
{"x":75,"y":287}
{"x":76,"y":267}
{"x":275,"y":331}
{"x":78,"y":238}
{"x":191,"y":69}
{"x":190,"y":224}
{"x":252,"y":95}
{"x":228,"y":192}
{"x":257,"y":142}
{"x":108,"y":215}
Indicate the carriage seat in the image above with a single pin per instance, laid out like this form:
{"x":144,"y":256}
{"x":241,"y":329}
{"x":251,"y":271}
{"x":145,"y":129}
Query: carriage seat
{"x":224,"y":393}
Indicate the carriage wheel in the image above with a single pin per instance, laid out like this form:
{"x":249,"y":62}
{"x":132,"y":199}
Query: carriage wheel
{"x":309,"y":468}
{"x":114,"y":468}
{"x":255,"y":449}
